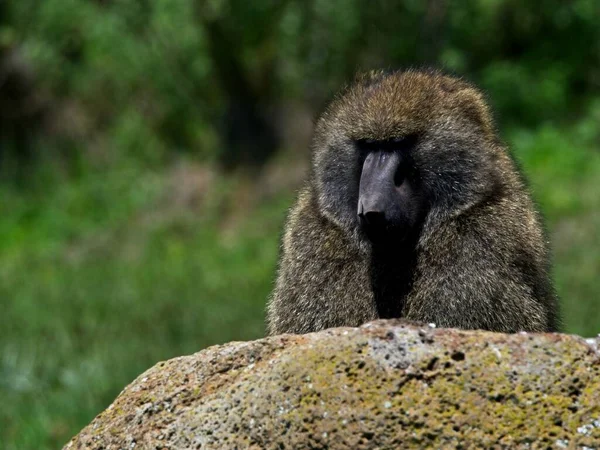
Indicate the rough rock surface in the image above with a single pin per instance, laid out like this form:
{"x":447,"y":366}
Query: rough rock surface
{"x":387,"y":384}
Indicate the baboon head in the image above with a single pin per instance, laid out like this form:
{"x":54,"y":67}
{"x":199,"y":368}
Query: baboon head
{"x":395,"y":151}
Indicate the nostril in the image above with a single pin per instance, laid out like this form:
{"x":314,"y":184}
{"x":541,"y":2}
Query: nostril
{"x":373,"y":218}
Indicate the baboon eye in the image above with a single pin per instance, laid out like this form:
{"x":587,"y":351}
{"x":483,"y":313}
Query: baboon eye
{"x":399,"y":143}
{"x":405,"y":143}
{"x":366,"y":145}
{"x":401,"y":174}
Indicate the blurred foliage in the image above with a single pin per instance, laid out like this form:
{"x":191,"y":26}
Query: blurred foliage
{"x":143,"y":80}
{"x":120,"y":242}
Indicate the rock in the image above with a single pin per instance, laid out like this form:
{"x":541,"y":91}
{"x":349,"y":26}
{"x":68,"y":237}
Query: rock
{"x":387,"y":384}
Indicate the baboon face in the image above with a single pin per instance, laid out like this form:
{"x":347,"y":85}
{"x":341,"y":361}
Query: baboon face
{"x":393,"y":150}
{"x":390,"y":198}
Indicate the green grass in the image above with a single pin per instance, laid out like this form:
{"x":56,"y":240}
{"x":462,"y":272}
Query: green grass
{"x":564,"y":170}
{"x":106,"y":275}
{"x":93,"y":297}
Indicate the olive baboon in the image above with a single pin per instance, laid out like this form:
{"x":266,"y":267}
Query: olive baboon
{"x":413,"y":209}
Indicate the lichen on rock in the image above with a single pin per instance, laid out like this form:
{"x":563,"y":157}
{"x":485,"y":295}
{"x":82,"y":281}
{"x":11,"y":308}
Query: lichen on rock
{"x":387,"y":384}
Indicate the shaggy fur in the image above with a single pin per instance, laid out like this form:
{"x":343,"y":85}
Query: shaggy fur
{"x":479,"y":260}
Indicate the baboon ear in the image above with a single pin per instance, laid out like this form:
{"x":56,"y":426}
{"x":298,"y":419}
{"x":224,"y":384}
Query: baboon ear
{"x":472,"y":105}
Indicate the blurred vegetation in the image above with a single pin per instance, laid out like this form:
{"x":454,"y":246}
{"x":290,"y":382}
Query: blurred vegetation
{"x":149,"y":150}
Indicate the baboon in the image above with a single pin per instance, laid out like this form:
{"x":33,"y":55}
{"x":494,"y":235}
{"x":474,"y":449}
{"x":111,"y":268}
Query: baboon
{"x":414,"y":209}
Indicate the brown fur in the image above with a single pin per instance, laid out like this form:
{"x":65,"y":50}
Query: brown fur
{"x":480,"y":259}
